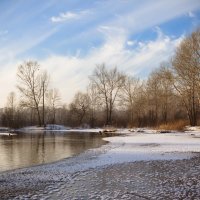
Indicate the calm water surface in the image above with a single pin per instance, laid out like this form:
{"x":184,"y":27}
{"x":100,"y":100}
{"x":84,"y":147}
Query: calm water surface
{"x":24,"y":150}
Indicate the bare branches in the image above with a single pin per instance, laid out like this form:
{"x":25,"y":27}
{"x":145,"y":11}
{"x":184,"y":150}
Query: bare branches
{"x":186,"y":71}
{"x":80,"y":106}
{"x":129,"y":95}
{"x":108,"y":84}
{"x":31,"y":83}
{"x":52,"y":102}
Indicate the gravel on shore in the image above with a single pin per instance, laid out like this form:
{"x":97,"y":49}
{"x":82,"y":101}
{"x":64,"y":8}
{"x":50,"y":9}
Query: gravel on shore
{"x":163,"y":179}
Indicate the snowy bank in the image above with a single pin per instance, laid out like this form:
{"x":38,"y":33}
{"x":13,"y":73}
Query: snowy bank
{"x":6,"y":131}
{"x":138,"y":147}
{"x":7,"y":134}
{"x":41,"y":128}
{"x":56,"y":128}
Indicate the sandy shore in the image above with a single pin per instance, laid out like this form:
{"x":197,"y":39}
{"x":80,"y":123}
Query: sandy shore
{"x":96,"y":175}
{"x":178,"y":179}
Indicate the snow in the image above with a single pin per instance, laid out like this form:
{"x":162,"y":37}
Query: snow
{"x":57,"y":128}
{"x":148,"y":146}
{"x":31,"y":128}
{"x":193,"y":128}
{"x":4,"y":128}
{"x":142,"y":138}
{"x":6,"y":134}
{"x":95,"y":130}
{"x":5,"y":131}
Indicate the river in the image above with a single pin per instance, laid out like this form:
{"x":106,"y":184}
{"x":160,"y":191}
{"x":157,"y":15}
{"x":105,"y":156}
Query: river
{"x":24,"y":150}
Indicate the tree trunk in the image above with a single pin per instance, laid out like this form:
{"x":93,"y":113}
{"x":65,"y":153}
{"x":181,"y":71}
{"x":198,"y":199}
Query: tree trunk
{"x":110,"y":115}
{"x":107,"y":114}
{"x":39,"y":118}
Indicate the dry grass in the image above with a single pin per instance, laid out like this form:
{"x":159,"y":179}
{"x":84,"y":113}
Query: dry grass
{"x":177,"y":125}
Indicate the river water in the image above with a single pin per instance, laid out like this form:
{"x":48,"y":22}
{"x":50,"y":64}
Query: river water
{"x":24,"y":150}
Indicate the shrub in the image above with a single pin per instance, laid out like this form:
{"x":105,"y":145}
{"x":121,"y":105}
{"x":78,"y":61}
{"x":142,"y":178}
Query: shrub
{"x":176,"y":125}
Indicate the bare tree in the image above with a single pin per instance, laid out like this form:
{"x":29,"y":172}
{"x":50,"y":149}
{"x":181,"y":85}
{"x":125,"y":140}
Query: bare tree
{"x":160,"y":95}
{"x":130,"y":93}
{"x":10,"y":109}
{"x":11,"y":101}
{"x":80,"y":106}
{"x":94,"y":102}
{"x":53,"y":101}
{"x":141,"y":105}
{"x":108,"y":84}
{"x":32,"y":83}
{"x":63,"y":115}
{"x":186,"y":74}
{"x":153,"y":92}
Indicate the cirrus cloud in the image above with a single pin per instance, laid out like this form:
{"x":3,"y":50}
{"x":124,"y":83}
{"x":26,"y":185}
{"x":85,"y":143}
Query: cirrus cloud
{"x":65,"y":16}
{"x":70,"y":73}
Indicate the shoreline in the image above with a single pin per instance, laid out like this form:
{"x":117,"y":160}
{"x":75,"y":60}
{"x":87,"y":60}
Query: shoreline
{"x":62,"y":177}
{"x":135,"y":180}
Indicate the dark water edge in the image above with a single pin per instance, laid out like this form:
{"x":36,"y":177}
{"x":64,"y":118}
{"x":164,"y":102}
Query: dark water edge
{"x":30,"y":149}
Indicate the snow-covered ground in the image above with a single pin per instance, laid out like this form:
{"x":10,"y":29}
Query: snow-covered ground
{"x":5,"y":131}
{"x":6,"y":134}
{"x":56,"y":128}
{"x":151,"y":146}
{"x":48,"y":128}
{"x":134,"y":165}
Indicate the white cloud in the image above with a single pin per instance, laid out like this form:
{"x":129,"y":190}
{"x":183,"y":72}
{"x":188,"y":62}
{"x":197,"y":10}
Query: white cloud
{"x":131,"y":43}
{"x":70,"y":74}
{"x":62,"y":17}
{"x":191,"y":14}
{"x":14,"y":48}
{"x":7,"y":80}
{"x":151,"y":14}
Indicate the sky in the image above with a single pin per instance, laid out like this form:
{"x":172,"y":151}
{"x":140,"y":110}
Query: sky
{"x":69,"y":38}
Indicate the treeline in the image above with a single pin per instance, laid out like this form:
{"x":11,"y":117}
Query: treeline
{"x":170,"y":94}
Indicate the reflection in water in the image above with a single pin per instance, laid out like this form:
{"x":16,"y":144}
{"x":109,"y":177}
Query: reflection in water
{"x":24,"y":150}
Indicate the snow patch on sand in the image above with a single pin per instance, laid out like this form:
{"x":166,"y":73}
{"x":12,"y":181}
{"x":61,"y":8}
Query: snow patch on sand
{"x":138,"y":147}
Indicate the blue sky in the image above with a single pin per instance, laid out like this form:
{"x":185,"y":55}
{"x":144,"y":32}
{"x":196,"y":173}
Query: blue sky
{"x":69,"y":37}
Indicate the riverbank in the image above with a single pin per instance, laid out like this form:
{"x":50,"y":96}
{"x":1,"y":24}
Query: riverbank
{"x":133,"y":166}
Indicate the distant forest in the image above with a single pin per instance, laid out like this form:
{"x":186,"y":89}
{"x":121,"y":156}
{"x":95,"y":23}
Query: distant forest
{"x":169,"y":97}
